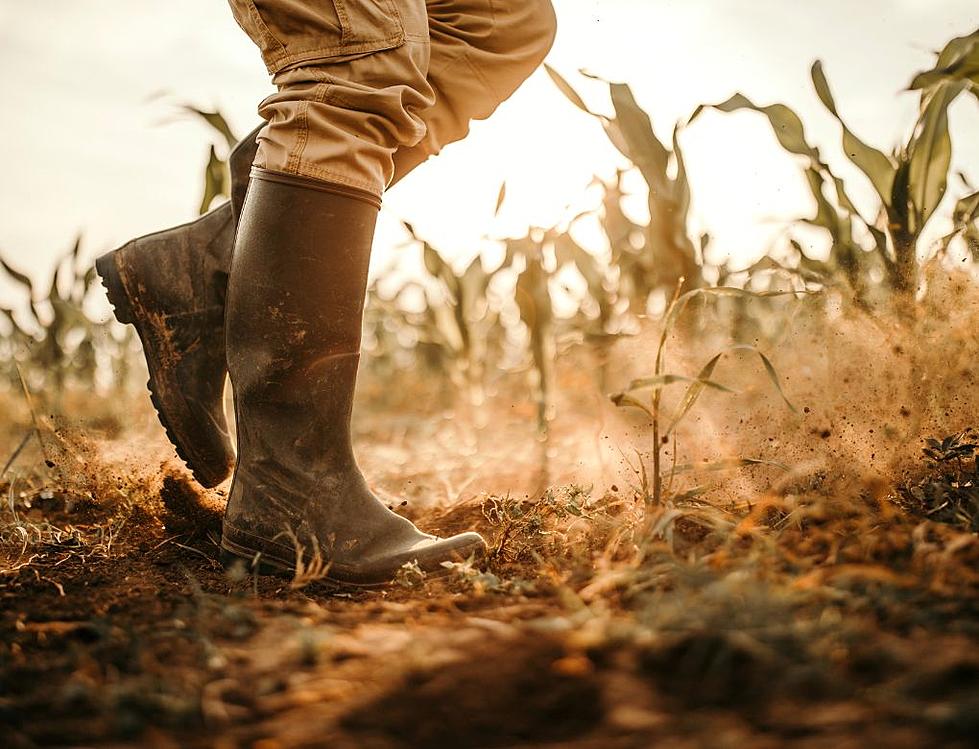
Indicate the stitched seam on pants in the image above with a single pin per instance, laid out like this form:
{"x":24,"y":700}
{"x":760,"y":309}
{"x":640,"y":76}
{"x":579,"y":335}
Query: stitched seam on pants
{"x":309,"y":170}
{"x":322,"y":55}
{"x":393,"y":7}
{"x":295,"y":158}
{"x":327,"y":93}
{"x":302,"y":135}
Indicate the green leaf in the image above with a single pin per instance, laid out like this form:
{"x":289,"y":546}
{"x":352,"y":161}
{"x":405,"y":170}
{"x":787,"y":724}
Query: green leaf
{"x":216,"y":180}
{"x":966,"y":210}
{"x":898,"y":211}
{"x":878,"y":167}
{"x":843,"y":199}
{"x":930,"y":154}
{"x":826,"y":216}
{"x":958,"y":61}
{"x":957,"y":48}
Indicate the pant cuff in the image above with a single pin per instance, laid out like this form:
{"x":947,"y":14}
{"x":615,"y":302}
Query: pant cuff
{"x":316,"y":184}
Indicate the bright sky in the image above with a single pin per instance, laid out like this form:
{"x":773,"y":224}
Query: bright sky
{"x":89,"y":144}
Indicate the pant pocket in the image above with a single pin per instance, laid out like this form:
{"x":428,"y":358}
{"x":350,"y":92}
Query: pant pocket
{"x":297,"y":32}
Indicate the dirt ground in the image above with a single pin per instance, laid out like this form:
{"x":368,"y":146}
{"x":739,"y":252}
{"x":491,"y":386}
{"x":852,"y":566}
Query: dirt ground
{"x":818,"y":613}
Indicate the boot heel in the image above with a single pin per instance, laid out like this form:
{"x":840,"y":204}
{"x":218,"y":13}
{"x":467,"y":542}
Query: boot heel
{"x":115,"y":290}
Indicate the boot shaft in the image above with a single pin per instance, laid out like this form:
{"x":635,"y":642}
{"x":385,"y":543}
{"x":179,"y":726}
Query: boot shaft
{"x":293,"y":328}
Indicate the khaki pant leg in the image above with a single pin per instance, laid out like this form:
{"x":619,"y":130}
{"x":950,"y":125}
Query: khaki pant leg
{"x":481,"y":51}
{"x":352,"y":80}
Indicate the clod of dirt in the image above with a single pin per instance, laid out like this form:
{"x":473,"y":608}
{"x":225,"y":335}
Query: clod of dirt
{"x":187,"y":508}
{"x":504,"y":693}
{"x":700,"y":669}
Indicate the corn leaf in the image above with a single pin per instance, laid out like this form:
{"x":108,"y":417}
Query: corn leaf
{"x":958,"y":61}
{"x":769,"y":369}
{"x":843,"y":199}
{"x":786,"y":124}
{"x":644,"y":149}
{"x":681,"y":186}
{"x":873,"y":163}
{"x":721,"y":291}
{"x":615,"y":136}
{"x":697,"y":387}
{"x":565,"y":88}
{"x":501,"y":196}
{"x":931,"y":154}
{"x":658,"y":382}
{"x":693,"y":392}
{"x":966,"y":210}
{"x":434,"y":263}
{"x":216,"y":121}
{"x":216,"y":182}
{"x":569,"y":251}
{"x":826,"y":216}
{"x":624,"y":400}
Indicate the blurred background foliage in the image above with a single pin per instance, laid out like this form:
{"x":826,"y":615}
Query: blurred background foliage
{"x":475,"y":322}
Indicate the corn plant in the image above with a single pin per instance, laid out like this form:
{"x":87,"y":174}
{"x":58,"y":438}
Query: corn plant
{"x":958,"y":62}
{"x":59,"y":343}
{"x":533,"y":297}
{"x":957,"y":66}
{"x":217,"y":178}
{"x":909,"y":183}
{"x":668,"y":253}
{"x":632,"y":397}
{"x":459,"y":317}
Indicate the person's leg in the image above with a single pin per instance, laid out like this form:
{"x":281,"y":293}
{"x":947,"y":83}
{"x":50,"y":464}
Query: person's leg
{"x":297,"y":286}
{"x":294,"y":316}
{"x":481,"y":51}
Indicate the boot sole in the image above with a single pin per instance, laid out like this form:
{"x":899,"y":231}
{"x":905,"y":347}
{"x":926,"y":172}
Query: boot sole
{"x":119,"y":298}
{"x":262,"y":564}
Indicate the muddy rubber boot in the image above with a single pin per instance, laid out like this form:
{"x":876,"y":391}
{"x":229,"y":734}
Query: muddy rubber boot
{"x":171,"y":287}
{"x":293,"y":321}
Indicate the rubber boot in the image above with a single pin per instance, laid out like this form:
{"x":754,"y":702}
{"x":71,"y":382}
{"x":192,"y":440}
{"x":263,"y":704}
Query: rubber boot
{"x":293,"y":325}
{"x":171,"y":287}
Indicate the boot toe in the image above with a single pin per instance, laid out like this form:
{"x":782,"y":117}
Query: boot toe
{"x":429,"y":554}
{"x":457,"y":548}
